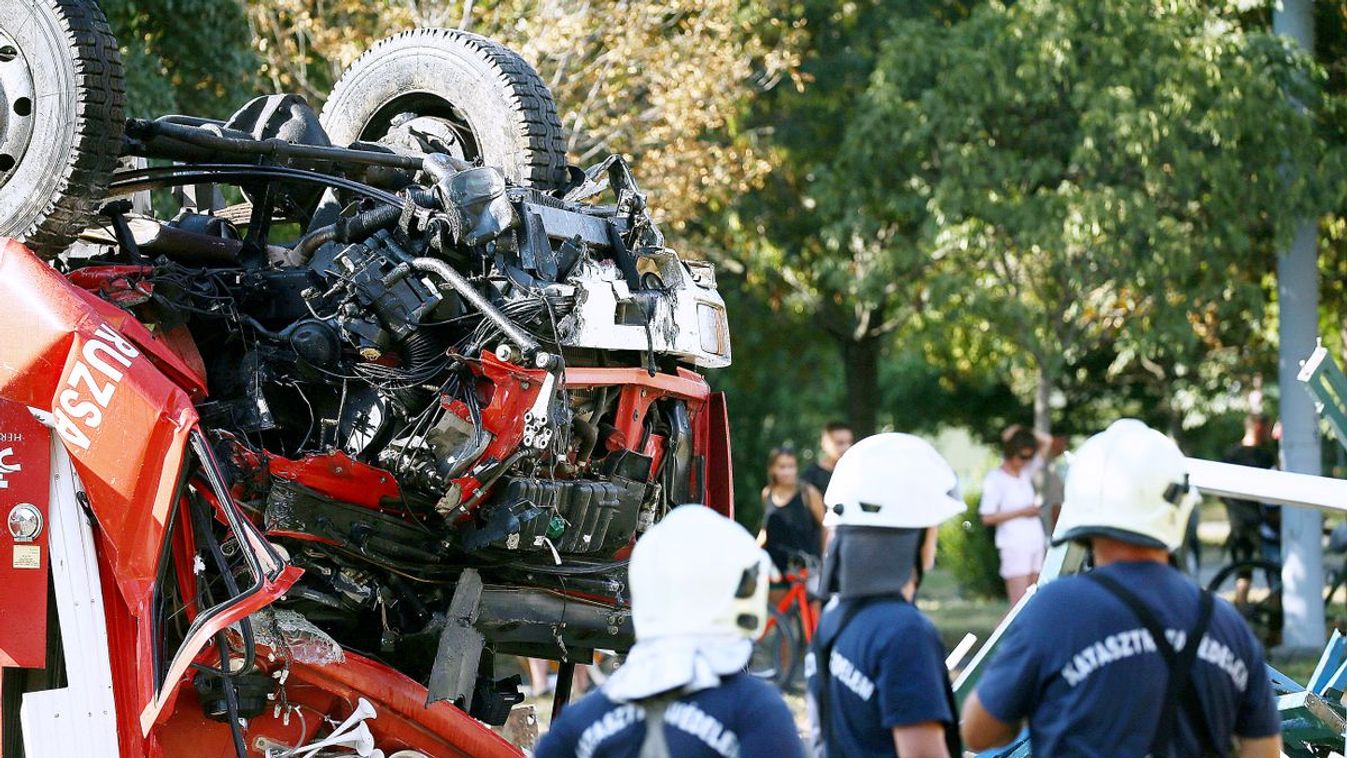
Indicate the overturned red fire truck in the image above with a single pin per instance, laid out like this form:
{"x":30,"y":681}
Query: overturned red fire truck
{"x":305,"y":418}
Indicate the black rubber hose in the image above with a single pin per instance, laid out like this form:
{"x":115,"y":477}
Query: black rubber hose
{"x":309,"y":243}
{"x":231,"y":697}
{"x":202,"y":526}
{"x":154,"y":177}
{"x":204,"y":137}
{"x":464,"y":288}
{"x":408,"y":595}
{"x":588,"y":434}
{"x":561,"y":696}
{"x":419,"y":349}
{"x":355,"y":228}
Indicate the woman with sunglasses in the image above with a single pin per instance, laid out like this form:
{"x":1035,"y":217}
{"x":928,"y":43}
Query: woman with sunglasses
{"x":1008,"y":504}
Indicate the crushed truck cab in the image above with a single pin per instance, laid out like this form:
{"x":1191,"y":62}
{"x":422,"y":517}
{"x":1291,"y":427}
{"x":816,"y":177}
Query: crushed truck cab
{"x":305,"y":417}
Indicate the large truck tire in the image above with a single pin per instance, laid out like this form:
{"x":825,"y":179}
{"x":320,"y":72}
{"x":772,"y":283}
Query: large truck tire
{"x":493,"y":102}
{"x":62,"y":99}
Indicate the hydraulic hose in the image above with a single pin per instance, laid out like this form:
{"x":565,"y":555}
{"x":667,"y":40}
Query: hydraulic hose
{"x":526,"y":344}
{"x":357,"y":227}
{"x":231,"y":698}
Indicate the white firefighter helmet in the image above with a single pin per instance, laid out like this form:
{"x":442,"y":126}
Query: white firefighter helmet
{"x":698,"y":573}
{"x":892,"y":480}
{"x":1129,"y":482}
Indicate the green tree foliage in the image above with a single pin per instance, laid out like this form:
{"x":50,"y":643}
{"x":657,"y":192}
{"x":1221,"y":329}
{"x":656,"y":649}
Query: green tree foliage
{"x":780,"y":389}
{"x":664,"y":83}
{"x":968,"y":551}
{"x":184,"y":56}
{"x":1084,"y":176}
{"x":857,"y":281}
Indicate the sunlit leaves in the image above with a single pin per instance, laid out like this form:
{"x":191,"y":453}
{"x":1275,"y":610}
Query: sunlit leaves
{"x":665,"y":83}
{"x":1101,"y":174}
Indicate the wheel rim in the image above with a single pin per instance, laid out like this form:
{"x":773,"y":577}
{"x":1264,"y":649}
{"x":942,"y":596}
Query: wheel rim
{"x":427,"y":113}
{"x":16,"y":105}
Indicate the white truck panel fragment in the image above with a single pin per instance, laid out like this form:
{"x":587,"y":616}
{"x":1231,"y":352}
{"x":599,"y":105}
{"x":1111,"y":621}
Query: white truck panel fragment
{"x":689,"y":318}
{"x":1267,"y":485}
{"x":79,"y":719}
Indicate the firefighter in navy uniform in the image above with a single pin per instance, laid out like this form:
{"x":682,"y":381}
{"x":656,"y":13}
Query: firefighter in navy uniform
{"x":877,"y":679}
{"x":1131,"y":658}
{"x":698,"y":599}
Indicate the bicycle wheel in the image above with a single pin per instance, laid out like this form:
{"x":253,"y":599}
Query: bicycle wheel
{"x":776,"y":655}
{"x":1334,"y":581}
{"x":795,"y":679}
{"x":1262,"y":609}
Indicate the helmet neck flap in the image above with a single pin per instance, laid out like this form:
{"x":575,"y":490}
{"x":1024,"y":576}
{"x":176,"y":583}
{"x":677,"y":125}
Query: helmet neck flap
{"x":867,"y":561}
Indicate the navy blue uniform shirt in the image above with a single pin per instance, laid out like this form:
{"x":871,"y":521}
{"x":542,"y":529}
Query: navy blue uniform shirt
{"x":742,"y":717}
{"x":887,"y":670}
{"x":1078,"y":664}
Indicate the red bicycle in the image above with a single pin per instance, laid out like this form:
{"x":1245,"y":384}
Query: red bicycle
{"x":778,"y":654}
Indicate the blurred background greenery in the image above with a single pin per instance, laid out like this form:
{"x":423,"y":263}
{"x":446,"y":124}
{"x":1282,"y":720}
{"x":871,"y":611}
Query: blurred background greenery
{"x":927,"y":214}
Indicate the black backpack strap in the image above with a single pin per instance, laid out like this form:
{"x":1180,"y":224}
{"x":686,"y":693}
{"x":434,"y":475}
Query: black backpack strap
{"x":953,"y":741}
{"x":1179,"y":693}
{"x":823,"y":653}
{"x":1188,"y":697}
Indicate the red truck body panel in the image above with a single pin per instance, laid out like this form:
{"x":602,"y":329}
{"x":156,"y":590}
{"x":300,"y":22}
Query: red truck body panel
{"x":120,"y":399}
{"x":25,"y":471}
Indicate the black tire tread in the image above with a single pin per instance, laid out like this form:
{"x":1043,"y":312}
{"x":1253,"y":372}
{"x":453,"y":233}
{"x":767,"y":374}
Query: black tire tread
{"x":538,"y":123}
{"x":785,"y":670}
{"x":1268,"y":568}
{"x":99,"y":121}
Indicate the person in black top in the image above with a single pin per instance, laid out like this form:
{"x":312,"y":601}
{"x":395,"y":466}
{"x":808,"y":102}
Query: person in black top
{"x":1247,"y":517}
{"x":792,"y":512}
{"x":837,"y":437}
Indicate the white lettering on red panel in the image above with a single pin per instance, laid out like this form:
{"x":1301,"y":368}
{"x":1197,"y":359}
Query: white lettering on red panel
{"x":8,"y":468}
{"x":91,"y":385}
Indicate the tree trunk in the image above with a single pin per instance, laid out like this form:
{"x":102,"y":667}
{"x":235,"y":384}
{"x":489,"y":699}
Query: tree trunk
{"x":1042,"y":401}
{"x":860,"y":365}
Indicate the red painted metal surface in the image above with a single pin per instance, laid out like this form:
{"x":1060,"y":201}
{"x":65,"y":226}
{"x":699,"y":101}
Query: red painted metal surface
{"x":122,"y":285}
{"x":685,"y":384}
{"x":338,"y":476}
{"x":639,"y":390}
{"x":160,"y":708}
{"x":25,"y":475}
{"x":127,"y":661}
{"x":402,"y":721}
{"x":513,"y":390}
{"x":507,"y":392}
{"x":172,"y":351}
{"x":719,"y":466}
{"x":124,"y":422}
{"x":121,"y":398}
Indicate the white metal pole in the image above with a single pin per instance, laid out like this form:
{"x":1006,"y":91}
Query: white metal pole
{"x":1298,"y":317}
